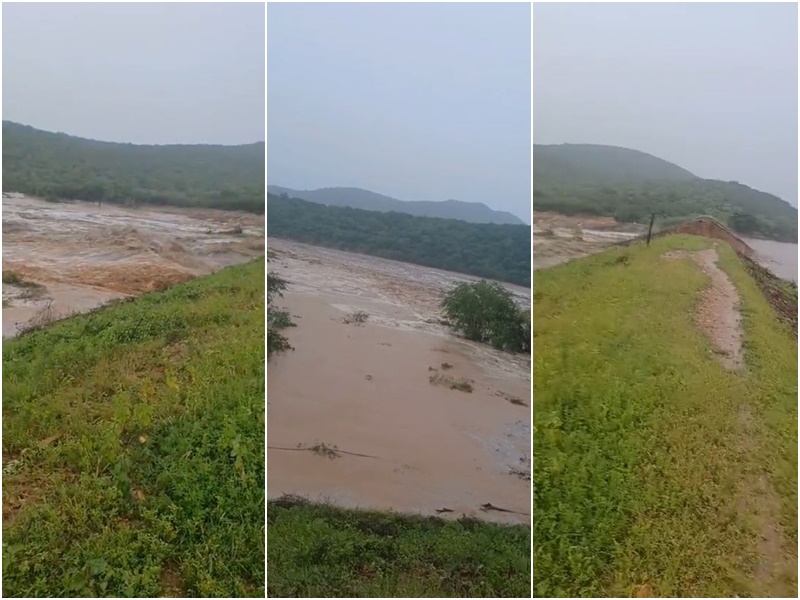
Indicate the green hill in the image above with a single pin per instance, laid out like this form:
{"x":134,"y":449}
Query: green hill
{"x":60,"y":166}
{"x":472,"y":212}
{"x":501,"y":252}
{"x":591,"y":163}
{"x":630,"y":185}
{"x":658,"y":472}
{"x":133,"y":447}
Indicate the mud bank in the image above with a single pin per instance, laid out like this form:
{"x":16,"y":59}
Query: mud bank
{"x":364,"y":415}
{"x":76,"y":256}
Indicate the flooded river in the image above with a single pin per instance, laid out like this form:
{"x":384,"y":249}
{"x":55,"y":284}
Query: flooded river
{"x":380,"y":392}
{"x":72,"y":257}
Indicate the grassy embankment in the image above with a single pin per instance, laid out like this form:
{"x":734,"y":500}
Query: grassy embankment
{"x":321,"y":551}
{"x":657,"y":472}
{"x":133,"y":447}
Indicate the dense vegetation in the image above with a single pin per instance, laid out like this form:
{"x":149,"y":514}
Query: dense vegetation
{"x":318,"y":551}
{"x":133,"y":447}
{"x":657,"y":472}
{"x":629,"y":185}
{"x":473,"y":212}
{"x":60,"y":166}
{"x":501,"y":252}
{"x":486,"y":312}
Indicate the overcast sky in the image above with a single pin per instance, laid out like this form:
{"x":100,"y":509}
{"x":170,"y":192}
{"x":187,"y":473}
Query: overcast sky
{"x":710,"y":87}
{"x":416,"y":101}
{"x":139,"y":73}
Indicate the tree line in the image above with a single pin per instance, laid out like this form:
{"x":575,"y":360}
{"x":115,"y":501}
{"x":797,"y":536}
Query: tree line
{"x":486,"y":250}
{"x":57,"y":166}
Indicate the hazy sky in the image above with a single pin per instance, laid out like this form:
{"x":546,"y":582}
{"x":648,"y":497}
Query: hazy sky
{"x":710,"y":87}
{"x":416,"y":101}
{"x":139,"y":73}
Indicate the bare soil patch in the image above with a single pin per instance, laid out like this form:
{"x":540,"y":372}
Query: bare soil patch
{"x":717,"y":312}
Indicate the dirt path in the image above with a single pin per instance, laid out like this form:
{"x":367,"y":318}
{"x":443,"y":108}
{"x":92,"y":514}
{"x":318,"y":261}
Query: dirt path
{"x":718,"y":311}
{"x":719,"y":318}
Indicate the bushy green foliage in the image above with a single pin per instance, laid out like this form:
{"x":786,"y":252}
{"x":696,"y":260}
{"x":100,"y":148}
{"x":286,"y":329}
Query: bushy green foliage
{"x":486,"y":312}
{"x":501,"y":252}
{"x":58,"y":166}
{"x":276,"y":319}
{"x":318,"y":551}
{"x":133,"y":447}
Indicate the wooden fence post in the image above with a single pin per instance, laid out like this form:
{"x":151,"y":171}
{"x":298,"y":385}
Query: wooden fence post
{"x":650,"y":229}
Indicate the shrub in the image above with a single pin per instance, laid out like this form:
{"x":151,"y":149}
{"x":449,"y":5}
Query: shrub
{"x":486,"y":312}
{"x":276,"y":319}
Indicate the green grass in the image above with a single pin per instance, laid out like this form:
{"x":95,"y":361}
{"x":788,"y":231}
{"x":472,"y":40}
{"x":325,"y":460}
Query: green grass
{"x":321,"y":551}
{"x":133,"y":447}
{"x":646,"y":449}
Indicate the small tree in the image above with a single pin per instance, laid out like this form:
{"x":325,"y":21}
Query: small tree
{"x":486,"y":312}
{"x":276,"y":319}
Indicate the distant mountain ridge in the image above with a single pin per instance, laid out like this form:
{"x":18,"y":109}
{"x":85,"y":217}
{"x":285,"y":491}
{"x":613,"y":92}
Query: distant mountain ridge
{"x":472,"y":212}
{"x":487,"y":250}
{"x":630,"y":185}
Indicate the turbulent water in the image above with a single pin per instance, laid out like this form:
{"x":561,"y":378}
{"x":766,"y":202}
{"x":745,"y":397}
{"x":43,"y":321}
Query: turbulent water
{"x":382,"y":389}
{"x":81,"y":255}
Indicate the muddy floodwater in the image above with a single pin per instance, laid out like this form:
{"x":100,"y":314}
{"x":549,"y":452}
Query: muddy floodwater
{"x":559,"y":238}
{"x":72,"y":257}
{"x":362,"y":412}
{"x":778,"y":257}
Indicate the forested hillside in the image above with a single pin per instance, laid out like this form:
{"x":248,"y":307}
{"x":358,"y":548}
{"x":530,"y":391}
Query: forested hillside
{"x":630,"y":185}
{"x":501,"y":252}
{"x":591,"y":163}
{"x":60,"y":166}
{"x":473,"y":212}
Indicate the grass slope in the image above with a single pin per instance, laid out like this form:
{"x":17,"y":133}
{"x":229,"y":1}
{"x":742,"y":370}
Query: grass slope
{"x":649,"y":455}
{"x":321,"y":551}
{"x":133,"y":447}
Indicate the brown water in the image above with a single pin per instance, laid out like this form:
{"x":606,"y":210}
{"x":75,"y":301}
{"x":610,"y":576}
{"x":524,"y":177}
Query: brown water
{"x":778,"y":257}
{"x":82,"y":255}
{"x":366,"y":389}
